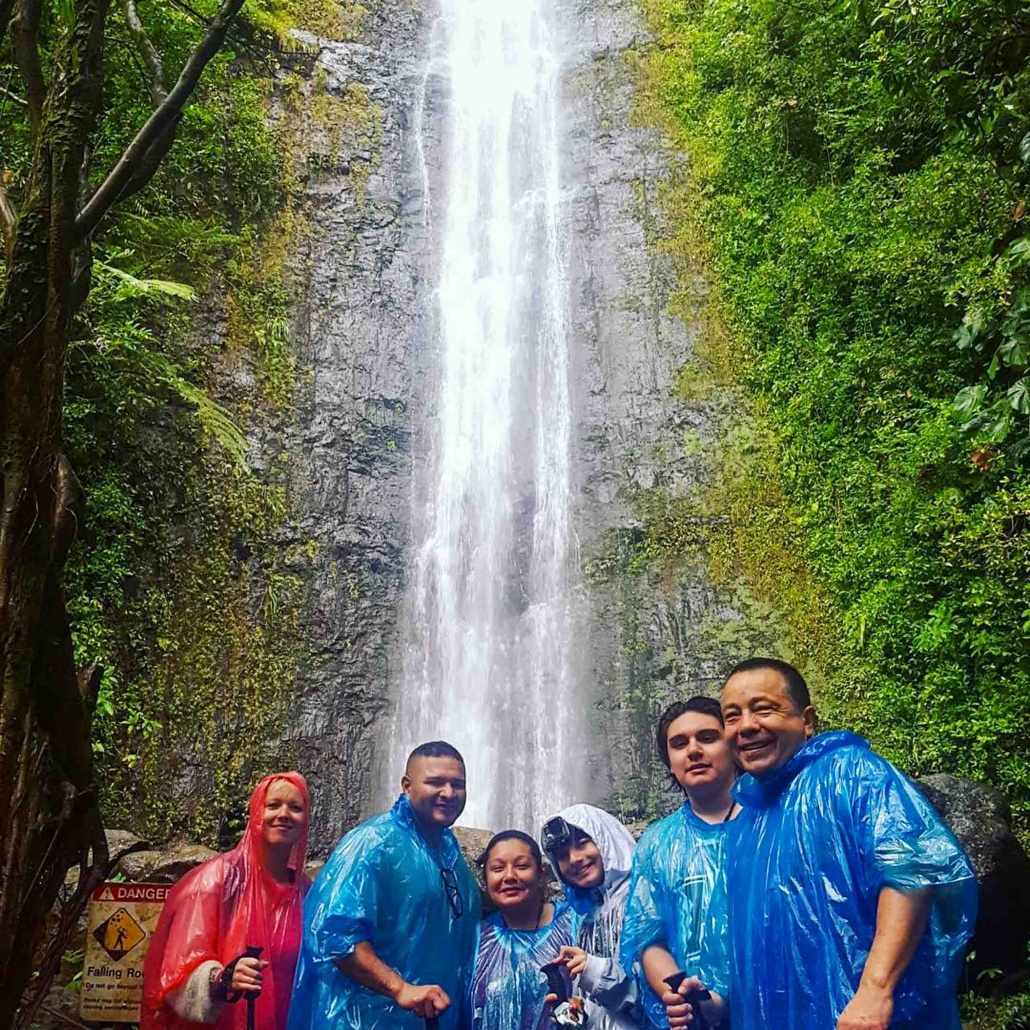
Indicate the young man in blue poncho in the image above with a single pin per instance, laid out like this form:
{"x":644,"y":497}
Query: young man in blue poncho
{"x":676,"y":916}
{"x":390,"y":923}
{"x":850,"y":901}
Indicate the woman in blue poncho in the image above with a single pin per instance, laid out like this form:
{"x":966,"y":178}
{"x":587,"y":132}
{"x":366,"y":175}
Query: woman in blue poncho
{"x":525,"y":933}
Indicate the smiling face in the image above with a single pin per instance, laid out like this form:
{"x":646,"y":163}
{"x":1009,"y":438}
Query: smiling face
{"x":513,"y":876}
{"x":699,"y":756}
{"x":285,"y":815}
{"x":763,"y":725}
{"x":436,"y":790}
{"x":579,"y":862}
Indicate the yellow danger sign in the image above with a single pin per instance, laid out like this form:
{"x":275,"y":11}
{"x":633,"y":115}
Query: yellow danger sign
{"x":119,"y":934}
{"x":122,"y":917}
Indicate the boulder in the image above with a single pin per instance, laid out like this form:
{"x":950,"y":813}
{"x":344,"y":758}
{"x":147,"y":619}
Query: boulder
{"x":167,"y":865}
{"x":472,"y":843}
{"x":119,"y":841}
{"x":979,"y":817}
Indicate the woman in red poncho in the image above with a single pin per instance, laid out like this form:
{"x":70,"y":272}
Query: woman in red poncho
{"x":252,"y":896}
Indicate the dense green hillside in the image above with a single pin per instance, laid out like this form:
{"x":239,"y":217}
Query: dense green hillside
{"x":856,"y":191}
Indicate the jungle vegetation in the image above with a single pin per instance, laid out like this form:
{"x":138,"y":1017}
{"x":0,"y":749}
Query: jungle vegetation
{"x":139,"y":175}
{"x":855,"y":190}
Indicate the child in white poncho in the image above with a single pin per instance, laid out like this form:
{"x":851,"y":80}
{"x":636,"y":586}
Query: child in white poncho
{"x":592,"y":853}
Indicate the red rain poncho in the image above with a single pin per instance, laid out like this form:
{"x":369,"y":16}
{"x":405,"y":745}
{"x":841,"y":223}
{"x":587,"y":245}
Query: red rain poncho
{"x":219,"y":909}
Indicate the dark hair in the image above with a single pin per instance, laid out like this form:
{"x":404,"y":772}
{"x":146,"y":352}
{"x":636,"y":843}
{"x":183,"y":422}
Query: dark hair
{"x":699,"y":703}
{"x":499,"y":838}
{"x":796,"y":687}
{"x":436,"y":749}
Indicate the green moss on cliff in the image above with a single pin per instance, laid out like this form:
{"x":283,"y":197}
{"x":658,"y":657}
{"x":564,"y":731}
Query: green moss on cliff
{"x":859,"y":212}
{"x":180,"y":588}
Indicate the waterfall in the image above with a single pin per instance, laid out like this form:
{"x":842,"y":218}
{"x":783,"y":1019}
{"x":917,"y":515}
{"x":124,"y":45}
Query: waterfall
{"x":488,"y":644}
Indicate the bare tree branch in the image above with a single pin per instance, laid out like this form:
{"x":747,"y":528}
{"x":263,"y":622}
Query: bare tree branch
{"x":13,"y":97}
{"x":24,"y":37}
{"x":158,"y":124}
{"x":147,"y":50}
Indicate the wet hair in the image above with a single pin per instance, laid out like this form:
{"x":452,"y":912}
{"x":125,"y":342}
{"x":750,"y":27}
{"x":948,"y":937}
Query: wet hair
{"x":795,"y":685}
{"x":500,"y":838}
{"x":436,"y":749}
{"x":699,"y":703}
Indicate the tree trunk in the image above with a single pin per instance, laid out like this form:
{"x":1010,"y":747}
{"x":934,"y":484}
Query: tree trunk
{"x":49,"y":813}
{"x":49,"y":817}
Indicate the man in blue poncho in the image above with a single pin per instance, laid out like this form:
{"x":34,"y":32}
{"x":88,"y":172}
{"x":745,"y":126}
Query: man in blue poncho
{"x":676,"y":915}
{"x":390,"y":923}
{"x":850,"y":901}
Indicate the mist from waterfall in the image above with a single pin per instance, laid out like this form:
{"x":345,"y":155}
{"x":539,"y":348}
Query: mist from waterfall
{"x":488,"y":661}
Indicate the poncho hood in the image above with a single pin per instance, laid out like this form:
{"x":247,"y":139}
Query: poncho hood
{"x":404,"y":815}
{"x":761,"y":793}
{"x":614,"y":842}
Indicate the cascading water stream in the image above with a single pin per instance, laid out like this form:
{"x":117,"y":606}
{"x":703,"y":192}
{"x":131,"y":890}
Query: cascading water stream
{"x":488,"y":645}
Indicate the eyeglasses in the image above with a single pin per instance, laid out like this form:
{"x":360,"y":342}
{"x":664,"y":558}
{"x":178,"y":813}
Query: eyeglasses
{"x":453,"y":892}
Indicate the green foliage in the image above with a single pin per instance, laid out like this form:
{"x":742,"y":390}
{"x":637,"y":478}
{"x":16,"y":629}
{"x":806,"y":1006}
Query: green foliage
{"x":856,"y":188}
{"x":177,"y":587}
{"x":990,"y":1014}
{"x":331,"y":19}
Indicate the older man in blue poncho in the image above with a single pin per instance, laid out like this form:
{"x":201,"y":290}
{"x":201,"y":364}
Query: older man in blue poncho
{"x":850,"y":901}
{"x":390,"y":924}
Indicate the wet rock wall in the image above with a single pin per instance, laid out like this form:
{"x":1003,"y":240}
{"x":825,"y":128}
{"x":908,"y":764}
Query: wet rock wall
{"x":364,"y":345}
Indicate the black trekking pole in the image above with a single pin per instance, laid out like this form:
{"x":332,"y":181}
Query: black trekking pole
{"x":432,"y":1023}
{"x":693,"y":999}
{"x":252,"y":952}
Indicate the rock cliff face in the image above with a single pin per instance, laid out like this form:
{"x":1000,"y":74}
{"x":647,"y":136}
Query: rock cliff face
{"x":634,"y":435}
{"x":359,"y":335}
{"x":367,"y":370}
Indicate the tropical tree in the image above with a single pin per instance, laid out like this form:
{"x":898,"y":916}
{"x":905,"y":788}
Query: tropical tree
{"x":55,"y":55}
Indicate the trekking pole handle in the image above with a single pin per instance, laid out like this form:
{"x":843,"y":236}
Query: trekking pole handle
{"x":253,"y":951}
{"x":673,"y":982}
{"x":693,"y":998}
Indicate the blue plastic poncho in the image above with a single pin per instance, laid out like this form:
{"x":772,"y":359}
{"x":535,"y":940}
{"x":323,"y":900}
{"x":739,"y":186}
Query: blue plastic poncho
{"x":611,"y":993}
{"x":677,"y":898}
{"x":508,"y":989}
{"x":818,"y":840}
{"x":383,"y":885}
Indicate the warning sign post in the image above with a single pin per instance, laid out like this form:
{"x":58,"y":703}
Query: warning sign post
{"x":122,"y":917}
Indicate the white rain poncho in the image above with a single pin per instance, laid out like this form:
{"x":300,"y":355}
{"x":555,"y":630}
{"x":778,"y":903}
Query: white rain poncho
{"x":611,"y":992}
